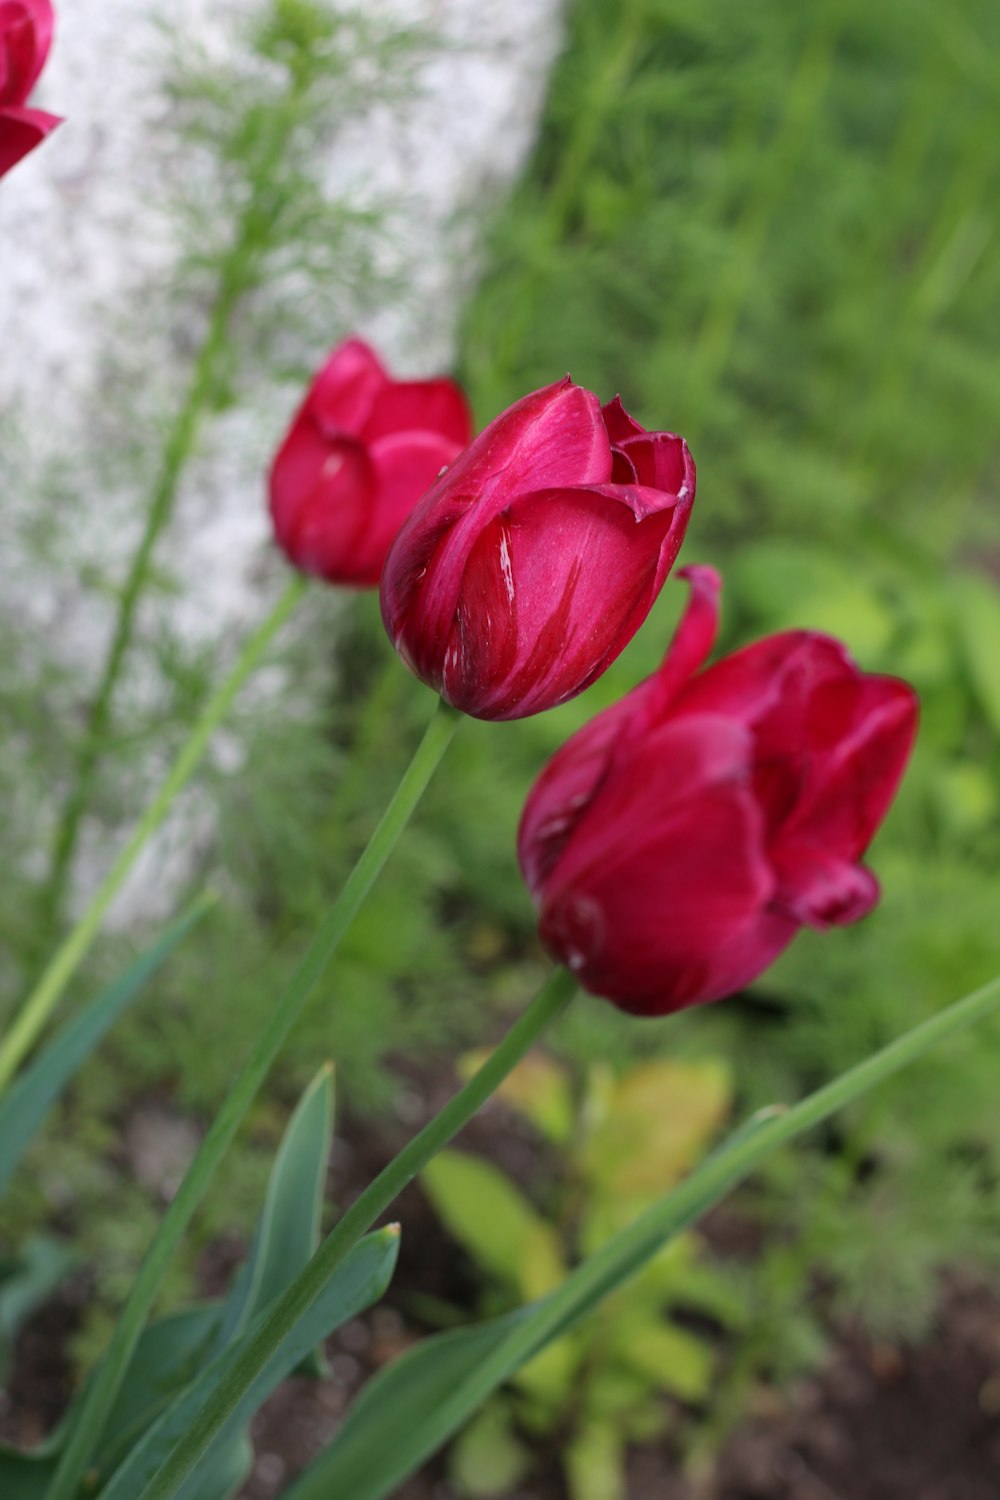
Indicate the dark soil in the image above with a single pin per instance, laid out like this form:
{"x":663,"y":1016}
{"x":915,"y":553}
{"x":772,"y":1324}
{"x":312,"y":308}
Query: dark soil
{"x":878,"y":1423}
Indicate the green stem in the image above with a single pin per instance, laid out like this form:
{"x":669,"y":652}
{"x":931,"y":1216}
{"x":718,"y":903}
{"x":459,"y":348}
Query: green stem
{"x":550,"y":1002}
{"x":107,"y":1381}
{"x":628,"y":1251}
{"x":50,"y":987}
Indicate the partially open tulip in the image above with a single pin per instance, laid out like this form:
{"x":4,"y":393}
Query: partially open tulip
{"x":360,"y":452}
{"x":535,"y":558}
{"x":25,"y":38}
{"x":678,"y":842}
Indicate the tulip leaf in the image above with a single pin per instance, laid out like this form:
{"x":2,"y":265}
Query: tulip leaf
{"x":173,"y":1351}
{"x":392,"y":1425}
{"x":288,"y":1232}
{"x":360,"y":1280}
{"x":31,"y":1096}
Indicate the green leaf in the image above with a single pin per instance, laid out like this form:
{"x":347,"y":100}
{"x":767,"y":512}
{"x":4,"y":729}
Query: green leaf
{"x":390,"y":1428}
{"x":360,"y":1281}
{"x":487,"y":1458}
{"x":670,"y":1358}
{"x":26,"y":1283}
{"x":31,"y":1096}
{"x":494,"y":1222}
{"x":408,"y":1411}
{"x":288,"y":1232}
{"x":174,"y":1350}
{"x":23,"y":1476}
{"x":655,"y":1124}
{"x":595,"y":1463}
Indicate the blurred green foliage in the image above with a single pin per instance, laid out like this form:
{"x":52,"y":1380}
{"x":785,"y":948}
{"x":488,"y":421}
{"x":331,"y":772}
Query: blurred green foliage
{"x":771,"y":229}
{"x":621,"y":1142}
{"x":775,"y":231}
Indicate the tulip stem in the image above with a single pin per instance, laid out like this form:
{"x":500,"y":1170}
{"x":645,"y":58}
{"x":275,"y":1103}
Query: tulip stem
{"x":520,"y":1339}
{"x":548,"y":1004}
{"x":48,"y":991}
{"x":107,"y":1379}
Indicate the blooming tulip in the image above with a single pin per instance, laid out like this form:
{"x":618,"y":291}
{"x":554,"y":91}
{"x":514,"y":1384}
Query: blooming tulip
{"x":534,"y":559}
{"x":359,"y":454}
{"x":678,"y":842}
{"x":25,"y":38}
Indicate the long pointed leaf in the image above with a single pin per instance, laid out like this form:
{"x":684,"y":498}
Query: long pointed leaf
{"x":424,"y":1398}
{"x":360,"y":1281}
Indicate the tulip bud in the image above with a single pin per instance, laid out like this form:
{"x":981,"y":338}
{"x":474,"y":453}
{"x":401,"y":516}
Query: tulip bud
{"x":677,"y":843}
{"x":532,"y":562}
{"x":25,"y":38}
{"x":360,"y":452}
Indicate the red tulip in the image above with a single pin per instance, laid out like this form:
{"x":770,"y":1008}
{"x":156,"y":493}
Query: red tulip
{"x":533,"y":561}
{"x":25,"y":38}
{"x":360,"y":452}
{"x":678,"y":842}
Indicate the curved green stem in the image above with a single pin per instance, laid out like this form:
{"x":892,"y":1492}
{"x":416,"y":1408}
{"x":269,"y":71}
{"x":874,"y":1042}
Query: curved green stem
{"x":50,"y":987}
{"x":108,"y":1379}
{"x":550,"y":1002}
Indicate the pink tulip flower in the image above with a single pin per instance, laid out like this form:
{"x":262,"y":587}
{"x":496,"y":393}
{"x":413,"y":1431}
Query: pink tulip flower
{"x":360,"y":452}
{"x":677,"y":843}
{"x":532,"y":562}
{"x":25,"y":38}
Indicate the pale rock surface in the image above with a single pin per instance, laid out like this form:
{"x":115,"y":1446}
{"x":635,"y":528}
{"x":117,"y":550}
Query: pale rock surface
{"x":86,"y":256}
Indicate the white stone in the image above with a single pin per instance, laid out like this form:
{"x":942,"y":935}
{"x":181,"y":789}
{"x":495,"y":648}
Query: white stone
{"x":95,"y":353}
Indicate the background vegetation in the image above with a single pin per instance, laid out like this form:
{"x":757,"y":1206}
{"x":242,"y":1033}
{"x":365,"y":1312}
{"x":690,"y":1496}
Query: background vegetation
{"x":773,"y":230}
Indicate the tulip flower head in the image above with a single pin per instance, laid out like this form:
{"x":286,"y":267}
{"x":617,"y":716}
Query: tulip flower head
{"x":678,"y":842}
{"x":531,"y":563}
{"x":360,"y":452}
{"x":25,"y":38}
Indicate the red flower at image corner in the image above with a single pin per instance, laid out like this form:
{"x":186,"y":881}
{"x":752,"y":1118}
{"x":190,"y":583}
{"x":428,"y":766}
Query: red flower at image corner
{"x":531,"y":563}
{"x":676,"y":844}
{"x":25,"y":38}
{"x":360,"y":452}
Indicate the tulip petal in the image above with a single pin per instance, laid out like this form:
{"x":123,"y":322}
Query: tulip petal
{"x":25,"y":38}
{"x":619,"y":424}
{"x":21,"y":130}
{"x":405,"y":464}
{"x":676,"y":919}
{"x":342,"y":398}
{"x":322,"y":495}
{"x":435,"y":406}
{"x":552,"y":592}
{"x":692,"y":641}
{"x":653,"y":775}
{"x":850,"y":793}
{"x":820,"y":890}
{"x":566,"y":787}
